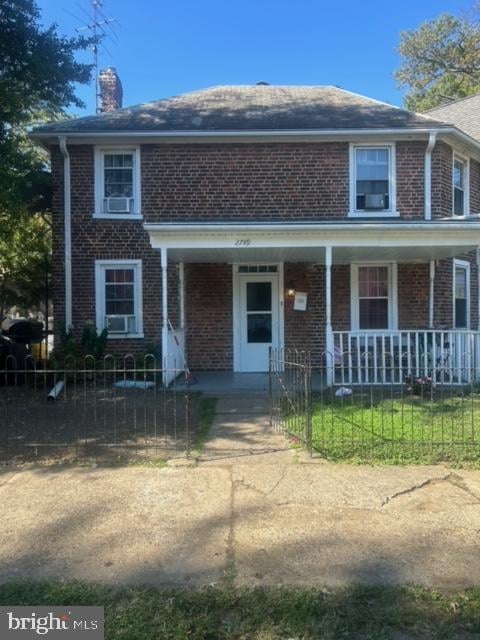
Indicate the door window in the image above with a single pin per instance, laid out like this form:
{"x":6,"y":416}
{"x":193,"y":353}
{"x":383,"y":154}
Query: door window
{"x":259,"y":312}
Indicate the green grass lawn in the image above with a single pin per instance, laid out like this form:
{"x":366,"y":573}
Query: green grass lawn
{"x":397,"y":428}
{"x":356,"y":613}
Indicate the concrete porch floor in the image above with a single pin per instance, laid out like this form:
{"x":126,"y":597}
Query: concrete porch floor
{"x":227,"y":382}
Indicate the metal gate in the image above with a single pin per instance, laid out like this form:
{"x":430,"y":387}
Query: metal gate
{"x":290,"y":379}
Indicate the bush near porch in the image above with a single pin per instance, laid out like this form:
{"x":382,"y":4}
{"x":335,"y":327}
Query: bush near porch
{"x":388,"y":425}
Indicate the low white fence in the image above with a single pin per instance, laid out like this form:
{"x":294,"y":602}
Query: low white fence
{"x":390,"y":356}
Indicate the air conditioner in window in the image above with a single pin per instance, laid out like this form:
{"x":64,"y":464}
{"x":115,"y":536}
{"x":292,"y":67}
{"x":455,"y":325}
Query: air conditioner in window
{"x":117,"y":205}
{"x":374,"y":201}
{"x":119,"y":324}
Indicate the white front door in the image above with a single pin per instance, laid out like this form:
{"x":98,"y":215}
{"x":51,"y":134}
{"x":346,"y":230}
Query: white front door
{"x":257,"y":320}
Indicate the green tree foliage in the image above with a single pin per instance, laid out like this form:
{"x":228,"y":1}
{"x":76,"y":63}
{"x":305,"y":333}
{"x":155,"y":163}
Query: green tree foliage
{"x":25,"y":257}
{"x":440,"y":60}
{"x":38,"y":73}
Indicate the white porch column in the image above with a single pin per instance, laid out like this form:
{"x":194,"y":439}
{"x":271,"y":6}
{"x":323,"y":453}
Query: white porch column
{"x":328,"y":315}
{"x":164,"y":263}
{"x":431,"y":300}
{"x":181,"y":286}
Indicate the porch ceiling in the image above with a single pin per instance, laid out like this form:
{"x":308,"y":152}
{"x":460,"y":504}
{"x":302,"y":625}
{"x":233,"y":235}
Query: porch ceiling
{"x":340,"y":255}
{"x":405,"y":242}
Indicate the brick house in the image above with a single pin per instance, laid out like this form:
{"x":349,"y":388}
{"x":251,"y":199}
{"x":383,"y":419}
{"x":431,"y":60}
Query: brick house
{"x":258,"y":216}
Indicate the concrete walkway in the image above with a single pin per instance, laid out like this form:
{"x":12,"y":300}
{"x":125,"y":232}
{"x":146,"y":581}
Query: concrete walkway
{"x":250,"y":512}
{"x":241,"y":429}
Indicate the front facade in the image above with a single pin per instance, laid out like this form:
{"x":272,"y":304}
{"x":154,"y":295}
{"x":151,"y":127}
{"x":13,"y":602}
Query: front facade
{"x":244,"y":218}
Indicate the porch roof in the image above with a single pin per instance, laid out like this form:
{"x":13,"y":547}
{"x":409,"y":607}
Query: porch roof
{"x":387,"y":241}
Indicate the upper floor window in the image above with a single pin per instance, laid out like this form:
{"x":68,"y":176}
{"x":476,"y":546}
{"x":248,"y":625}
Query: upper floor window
{"x":372,"y":188}
{"x":117,"y":183}
{"x":119,"y":297}
{"x":460,"y":184}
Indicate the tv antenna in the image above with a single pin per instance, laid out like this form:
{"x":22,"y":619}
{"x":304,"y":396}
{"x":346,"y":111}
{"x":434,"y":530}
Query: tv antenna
{"x":100,"y":27}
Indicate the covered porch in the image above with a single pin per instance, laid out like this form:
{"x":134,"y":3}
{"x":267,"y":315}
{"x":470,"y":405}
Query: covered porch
{"x":321,"y":261}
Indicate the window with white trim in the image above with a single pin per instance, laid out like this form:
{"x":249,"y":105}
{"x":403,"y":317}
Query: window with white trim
{"x":119,"y":297}
{"x":373,"y":296}
{"x":461,"y":294}
{"x":117,"y":182}
{"x":460,"y":176}
{"x":372,"y":179}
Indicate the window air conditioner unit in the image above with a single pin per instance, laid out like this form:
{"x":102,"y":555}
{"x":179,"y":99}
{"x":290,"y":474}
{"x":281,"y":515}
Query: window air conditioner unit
{"x":374,"y":201}
{"x":118,"y":205}
{"x":117,"y":324}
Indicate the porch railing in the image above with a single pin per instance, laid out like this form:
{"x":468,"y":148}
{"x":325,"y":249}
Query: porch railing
{"x":382,"y":357}
{"x":174,"y":360}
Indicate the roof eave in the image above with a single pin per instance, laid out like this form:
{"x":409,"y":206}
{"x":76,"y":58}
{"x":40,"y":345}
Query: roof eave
{"x":225,"y":133}
{"x":251,"y":135}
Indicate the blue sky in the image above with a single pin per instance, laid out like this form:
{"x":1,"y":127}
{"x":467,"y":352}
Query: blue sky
{"x":166,"y":48}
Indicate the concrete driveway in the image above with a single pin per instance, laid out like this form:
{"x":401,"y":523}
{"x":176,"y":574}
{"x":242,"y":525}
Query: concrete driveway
{"x":250,"y":512}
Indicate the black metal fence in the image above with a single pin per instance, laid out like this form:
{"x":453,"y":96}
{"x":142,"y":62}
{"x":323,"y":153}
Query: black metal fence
{"x":425,"y":418}
{"x":290,"y":376}
{"x":114,"y":409}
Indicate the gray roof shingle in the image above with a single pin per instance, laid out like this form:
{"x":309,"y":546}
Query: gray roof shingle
{"x":250,"y":108}
{"x":463,"y":113}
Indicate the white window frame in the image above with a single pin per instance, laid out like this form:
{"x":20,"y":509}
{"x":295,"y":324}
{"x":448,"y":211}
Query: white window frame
{"x":461,"y":264}
{"x":392,"y":295}
{"x":99,"y":155}
{"x":100,"y":268}
{"x":466,"y":191}
{"x":392,"y":181}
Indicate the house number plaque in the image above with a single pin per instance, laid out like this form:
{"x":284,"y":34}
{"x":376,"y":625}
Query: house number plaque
{"x":243,"y":243}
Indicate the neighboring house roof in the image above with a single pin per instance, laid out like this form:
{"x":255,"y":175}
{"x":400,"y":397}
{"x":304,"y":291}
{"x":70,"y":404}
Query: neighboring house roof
{"x":463,"y":113}
{"x":250,"y":108}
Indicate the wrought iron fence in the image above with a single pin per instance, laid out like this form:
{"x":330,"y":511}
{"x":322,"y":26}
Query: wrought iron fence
{"x":290,"y":394}
{"x":113,"y":409}
{"x":408,"y":418}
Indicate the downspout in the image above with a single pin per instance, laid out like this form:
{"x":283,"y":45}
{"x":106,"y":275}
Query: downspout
{"x":428,"y":174}
{"x":67,"y":217}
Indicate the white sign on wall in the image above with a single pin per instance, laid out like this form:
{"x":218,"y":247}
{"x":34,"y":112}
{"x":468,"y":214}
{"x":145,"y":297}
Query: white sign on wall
{"x":300,"y":303}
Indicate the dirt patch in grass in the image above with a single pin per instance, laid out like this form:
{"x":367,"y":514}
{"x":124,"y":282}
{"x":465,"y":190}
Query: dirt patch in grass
{"x":101,"y":423}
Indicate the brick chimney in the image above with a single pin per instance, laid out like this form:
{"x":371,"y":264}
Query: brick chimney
{"x":111,"y":91}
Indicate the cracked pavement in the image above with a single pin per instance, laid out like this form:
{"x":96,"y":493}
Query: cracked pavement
{"x":249,"y":512}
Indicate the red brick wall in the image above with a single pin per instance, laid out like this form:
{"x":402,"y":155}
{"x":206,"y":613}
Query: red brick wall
{"x":305,"y":330}
{"x":442,"y":158}
{"x":413,"y":295}
{"x":100,"y":240}
{"x":245,"y":181}
{"x":410,"y":179}
{"x":341,"y":297}
{"x":202,"y":182}
{"x":209,"y":316}
{"x":474,"y":186}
